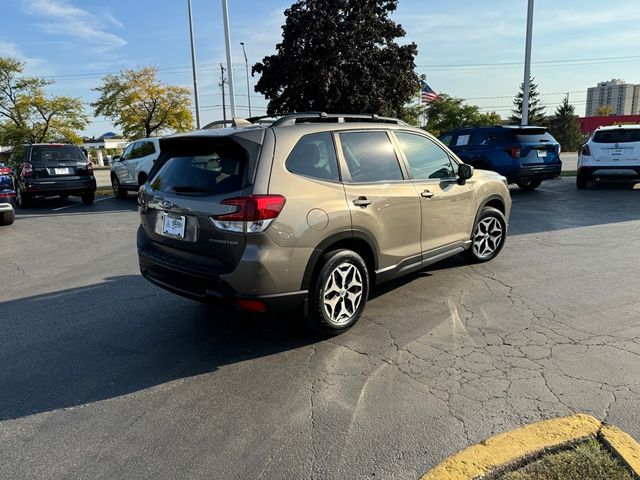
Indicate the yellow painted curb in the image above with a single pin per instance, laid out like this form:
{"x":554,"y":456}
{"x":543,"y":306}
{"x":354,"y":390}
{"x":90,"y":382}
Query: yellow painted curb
{"x":506,"y":448}
{"x":622,"y":444}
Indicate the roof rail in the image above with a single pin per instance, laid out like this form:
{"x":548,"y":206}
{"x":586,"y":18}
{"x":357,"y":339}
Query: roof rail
{"x":313,"y":117}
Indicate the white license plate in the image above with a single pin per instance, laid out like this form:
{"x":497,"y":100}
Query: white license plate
{"x":173,"y":225}
{"x":542,"y":153}
{"x":61,"y":171}
{"x":615,"y":151}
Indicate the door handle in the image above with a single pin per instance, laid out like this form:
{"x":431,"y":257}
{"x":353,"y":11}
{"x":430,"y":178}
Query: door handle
{"x":362,"y":202}
{"x":427,"y":194}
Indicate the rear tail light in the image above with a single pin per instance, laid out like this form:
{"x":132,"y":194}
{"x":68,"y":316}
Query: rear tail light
{"x":254,"y":213}
{"x":4,"y":196}
{"x":585,"y":151}
{"x":514,"y":152}
{"x":5,"y":171}
{"x":27,"y":170}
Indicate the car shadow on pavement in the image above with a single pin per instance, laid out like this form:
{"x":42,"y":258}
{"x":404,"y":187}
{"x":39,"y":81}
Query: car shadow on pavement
{"x":42,"y":207}
{"x":559,"y":205}
{"x":92,"y":343}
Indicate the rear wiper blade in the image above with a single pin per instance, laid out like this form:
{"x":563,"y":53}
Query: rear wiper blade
{"x":190,"y":189}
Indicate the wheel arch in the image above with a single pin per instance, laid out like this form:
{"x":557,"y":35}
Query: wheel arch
{"x":495,"y":201}
{"x":360,"y":242}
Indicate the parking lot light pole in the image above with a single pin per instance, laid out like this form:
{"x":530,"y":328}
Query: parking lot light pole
{"x":527,"y":66}
{"x":193,"y":66}
{"x":227,"y":41}
{"x":246,"y":64}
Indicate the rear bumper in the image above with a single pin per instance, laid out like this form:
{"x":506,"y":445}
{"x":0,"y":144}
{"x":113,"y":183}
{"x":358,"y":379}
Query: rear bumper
{"x":51,"y":187}
{"x":610,"y":172}
{"x":196,"y":283}
{"x":541,"y":172}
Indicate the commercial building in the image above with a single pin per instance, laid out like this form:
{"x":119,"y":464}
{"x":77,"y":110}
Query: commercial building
{"x":624,"y":98}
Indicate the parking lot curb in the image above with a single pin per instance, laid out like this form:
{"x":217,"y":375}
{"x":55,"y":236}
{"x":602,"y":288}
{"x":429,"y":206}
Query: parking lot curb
{"x":510,"y":448}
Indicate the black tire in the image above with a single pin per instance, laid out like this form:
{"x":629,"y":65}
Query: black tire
{"x":7,"y":218}
{"x":581,"y":182}
{"x":23,"y":199}
{"x":529,"y":184}
{"x":118,"y":191}
{"x":320,"y":314}
{"x":88,"y":198}
{"x":474,"y":253}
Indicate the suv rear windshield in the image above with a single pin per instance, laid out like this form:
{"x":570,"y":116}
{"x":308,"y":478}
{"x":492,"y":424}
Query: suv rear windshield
{"x":56,"y":153}
{"x":621,"y":135}
{"x":218,"y":169}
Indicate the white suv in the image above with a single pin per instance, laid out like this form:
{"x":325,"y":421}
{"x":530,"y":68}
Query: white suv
{"x":131,"y":170}
{"x":611,"y":153}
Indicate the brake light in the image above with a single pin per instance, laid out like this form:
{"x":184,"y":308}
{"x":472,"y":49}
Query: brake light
{"x":514,"y":152}
{"x":5,"y":171}
{"x":7,"y":195}
{"x":27,"y":170}
{"x":255,"y":306}
{"x":254,"y":213}
{"x":585,"y":150}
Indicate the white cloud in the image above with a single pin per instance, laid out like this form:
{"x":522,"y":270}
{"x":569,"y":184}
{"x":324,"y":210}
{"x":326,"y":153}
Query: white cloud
{"x":10,"y":49}
{"x":60,"y":17}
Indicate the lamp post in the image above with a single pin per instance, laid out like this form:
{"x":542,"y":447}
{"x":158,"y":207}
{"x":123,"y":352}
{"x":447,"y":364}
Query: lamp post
{"x":246,"y":64}
{"x":193,"y":66}
{"x":527,"y":67}
{"x":227,"y":41}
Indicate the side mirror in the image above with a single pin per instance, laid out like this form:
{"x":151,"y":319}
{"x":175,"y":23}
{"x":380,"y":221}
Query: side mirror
{"x":465,"y":172}
{"x":117,"y":158}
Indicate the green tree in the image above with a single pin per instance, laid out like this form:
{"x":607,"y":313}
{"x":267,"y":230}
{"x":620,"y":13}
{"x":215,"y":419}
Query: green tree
{"x":446,"y":113}
{"x":340,"y":56}
{"x":536,"y":111}
{"x":565,"y":128}
{"x":28,"y":114}
{"x":143,"y":106}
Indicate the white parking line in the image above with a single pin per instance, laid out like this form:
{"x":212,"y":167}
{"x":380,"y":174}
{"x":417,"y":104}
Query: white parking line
{"x":79,"y":204}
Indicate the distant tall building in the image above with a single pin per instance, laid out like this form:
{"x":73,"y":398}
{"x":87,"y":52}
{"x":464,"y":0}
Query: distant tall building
{"x":623,"y":97}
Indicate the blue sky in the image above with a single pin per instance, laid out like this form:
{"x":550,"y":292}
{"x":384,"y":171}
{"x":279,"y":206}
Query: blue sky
{"x":467,"y":48}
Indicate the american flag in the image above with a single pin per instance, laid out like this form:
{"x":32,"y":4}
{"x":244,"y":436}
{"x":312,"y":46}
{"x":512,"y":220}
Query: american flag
{"x":427,"y":93}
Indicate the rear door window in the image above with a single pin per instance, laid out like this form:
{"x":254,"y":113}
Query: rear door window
{"x":370,"y":157}
{"x":621,"y":135}
{"x":56,"y":153}
{"x":314,"y":156}
{"x":214,"y":170}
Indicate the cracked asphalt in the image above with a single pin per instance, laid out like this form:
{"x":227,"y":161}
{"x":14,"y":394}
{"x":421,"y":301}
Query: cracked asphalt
{"x":103,"y":375}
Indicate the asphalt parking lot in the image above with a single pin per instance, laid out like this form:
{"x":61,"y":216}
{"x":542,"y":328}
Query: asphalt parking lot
{"x":103,"y":375}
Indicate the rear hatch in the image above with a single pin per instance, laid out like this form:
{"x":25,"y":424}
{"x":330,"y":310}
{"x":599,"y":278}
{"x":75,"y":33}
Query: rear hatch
{"x":534,"y":146}
{"x":620,"y":146}
{"x":189,"y":187}
{"x":59,"y":162}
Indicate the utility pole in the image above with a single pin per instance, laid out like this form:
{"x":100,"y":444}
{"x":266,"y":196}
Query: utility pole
{"x":527,"y":66}
{"x":224,"y":107}
{"x":193,"y":66}
{"x":246,"y":64}
{"x":227,"y":41}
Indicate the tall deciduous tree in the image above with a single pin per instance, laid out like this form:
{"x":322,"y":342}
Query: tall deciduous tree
{"x":536,"y":111}
{"x":340,"y":56}
{"x":28,"y":114}
{"x":141,"y":105}
{"x":446,"y":113}
{"x":565,"y":128}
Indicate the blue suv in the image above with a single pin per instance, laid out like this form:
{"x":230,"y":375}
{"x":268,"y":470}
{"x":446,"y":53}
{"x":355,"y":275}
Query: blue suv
{"x":525,"y":155}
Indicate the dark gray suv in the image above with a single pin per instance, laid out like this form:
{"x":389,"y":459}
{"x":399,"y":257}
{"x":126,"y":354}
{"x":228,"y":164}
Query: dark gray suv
{"x":311,"y":211}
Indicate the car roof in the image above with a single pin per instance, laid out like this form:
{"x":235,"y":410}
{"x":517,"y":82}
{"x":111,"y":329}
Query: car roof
{"x":617,"y":127}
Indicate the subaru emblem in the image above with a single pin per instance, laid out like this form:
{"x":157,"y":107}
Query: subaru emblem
{"x":167,"y":205}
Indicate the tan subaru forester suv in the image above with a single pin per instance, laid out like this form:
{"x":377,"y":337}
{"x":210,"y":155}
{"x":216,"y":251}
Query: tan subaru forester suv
{"x":311,"y":211}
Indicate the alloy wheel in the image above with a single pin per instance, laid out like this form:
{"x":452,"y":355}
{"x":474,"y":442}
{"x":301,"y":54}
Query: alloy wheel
{"x":343,"y":293}
{"x":487,"y":237}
